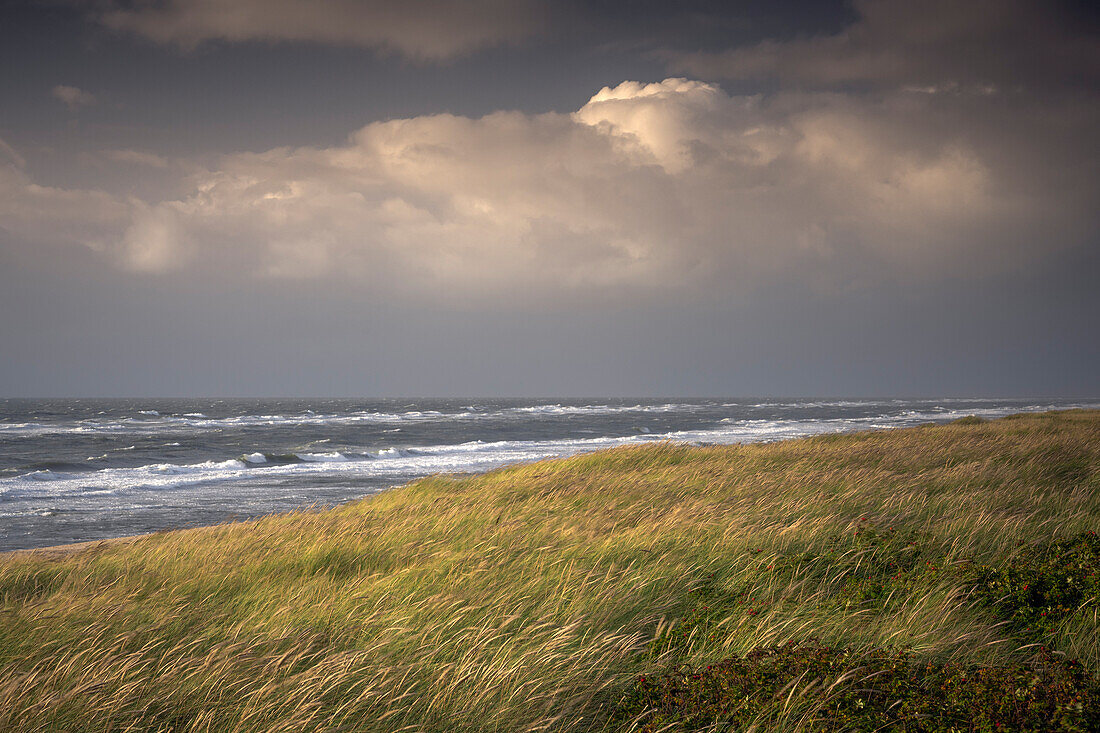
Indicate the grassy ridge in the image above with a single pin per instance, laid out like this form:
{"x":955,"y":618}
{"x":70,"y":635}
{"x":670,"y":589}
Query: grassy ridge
{"x":534,"y":597}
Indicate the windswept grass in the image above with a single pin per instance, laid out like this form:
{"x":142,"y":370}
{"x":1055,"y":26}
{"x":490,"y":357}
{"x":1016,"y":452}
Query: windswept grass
{"x":533,"y":597}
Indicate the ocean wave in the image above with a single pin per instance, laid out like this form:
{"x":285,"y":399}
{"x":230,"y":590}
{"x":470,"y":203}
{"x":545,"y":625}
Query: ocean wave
{"x":559,"y":409}
{"x":333,"y":457}
{"x":188,"y":423}
{"x":392,"y":465}
{"x":159,"y":423}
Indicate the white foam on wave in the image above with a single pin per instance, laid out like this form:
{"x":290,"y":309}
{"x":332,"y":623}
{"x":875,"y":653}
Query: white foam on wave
{"x":126,"y":488}
{"x":206,"y":467}
{"x":333,"y":457}
{"x":559,"y":409}
{"x":162,"y":424}
{"x":20,"y":428}
{"x":45,"y":475}
{"x":817,"y":404}
{"x":389,"y":453}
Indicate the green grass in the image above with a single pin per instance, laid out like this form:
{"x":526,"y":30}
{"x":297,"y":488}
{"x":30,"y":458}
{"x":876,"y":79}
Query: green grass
{"x":534,"y":597}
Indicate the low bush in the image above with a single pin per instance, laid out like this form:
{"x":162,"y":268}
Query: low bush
{"x":831,"y":689}
{"x":1043,"y":584}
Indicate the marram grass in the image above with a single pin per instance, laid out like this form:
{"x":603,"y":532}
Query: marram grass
{"x":535,"y":597}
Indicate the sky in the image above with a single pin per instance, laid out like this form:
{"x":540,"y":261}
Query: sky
{"x":549,"y":198}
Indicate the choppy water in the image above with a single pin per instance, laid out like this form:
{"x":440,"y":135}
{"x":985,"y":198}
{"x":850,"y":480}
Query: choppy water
{"x":76,"y":470}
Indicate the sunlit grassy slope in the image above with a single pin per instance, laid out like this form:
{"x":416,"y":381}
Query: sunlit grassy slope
{"x":533,"y":597}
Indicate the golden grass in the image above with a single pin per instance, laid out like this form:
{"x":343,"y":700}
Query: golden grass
{"x":526,"y":598}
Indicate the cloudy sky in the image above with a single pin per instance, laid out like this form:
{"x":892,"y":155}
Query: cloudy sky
{"x":549,"y":198}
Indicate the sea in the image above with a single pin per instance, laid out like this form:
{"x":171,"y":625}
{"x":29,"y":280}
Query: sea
{"x":75,"y":470}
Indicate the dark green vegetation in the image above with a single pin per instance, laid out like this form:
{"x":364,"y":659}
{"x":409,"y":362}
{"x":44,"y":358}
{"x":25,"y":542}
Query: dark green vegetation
{"x":827,"y":689}
{"x":837,"y":689}
{"x":938,"y":578}
{"x":1044,"y":584}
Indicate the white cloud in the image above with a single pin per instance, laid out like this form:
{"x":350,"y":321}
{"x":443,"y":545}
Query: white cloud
{"x":655,"y":121}
{"x":72,"y":97}
{"x":673,"y":186}
{"x":428,"y":30}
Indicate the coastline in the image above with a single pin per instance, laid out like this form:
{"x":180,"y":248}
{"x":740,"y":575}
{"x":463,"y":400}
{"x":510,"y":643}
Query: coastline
{"x":63,"y":549}
{"x":66,"y":549}
{"x":586,"y":588}
{"x":130,"y":470}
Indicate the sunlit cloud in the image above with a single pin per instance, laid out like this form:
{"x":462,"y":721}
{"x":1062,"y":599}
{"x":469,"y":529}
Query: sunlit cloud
{"x":674,"y":185}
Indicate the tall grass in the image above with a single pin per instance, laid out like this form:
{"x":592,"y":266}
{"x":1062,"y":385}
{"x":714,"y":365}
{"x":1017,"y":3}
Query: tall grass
{"x":529,"y":598}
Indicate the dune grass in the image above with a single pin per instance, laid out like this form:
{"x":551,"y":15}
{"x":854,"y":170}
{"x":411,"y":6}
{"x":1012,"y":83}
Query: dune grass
{"x":535,"y":597}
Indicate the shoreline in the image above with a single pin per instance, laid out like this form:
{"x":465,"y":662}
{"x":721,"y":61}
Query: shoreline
{"x":589,"y":587}
{"x":66,"y":549}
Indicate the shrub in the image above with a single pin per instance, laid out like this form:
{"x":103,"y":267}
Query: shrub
{"x":831,"y":689}
{"x":1043,"y":583}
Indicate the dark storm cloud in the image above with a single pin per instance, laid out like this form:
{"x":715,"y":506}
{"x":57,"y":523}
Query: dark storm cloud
{"x":442,"y":29}
{"x":419,"y":29}
{"x":893,"y":198}
{"x":940,"y":45}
